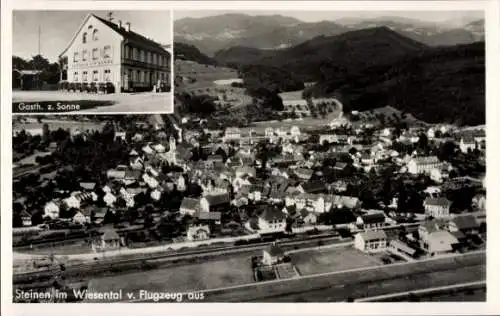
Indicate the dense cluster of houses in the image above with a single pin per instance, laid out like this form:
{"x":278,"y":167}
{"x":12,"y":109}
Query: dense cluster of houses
{"x":285,"y":186}
{"x":436,"y":236}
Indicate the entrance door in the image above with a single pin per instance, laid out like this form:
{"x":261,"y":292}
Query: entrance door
{"x":126,"y":82}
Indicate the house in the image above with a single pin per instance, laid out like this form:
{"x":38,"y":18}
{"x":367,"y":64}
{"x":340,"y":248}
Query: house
{"x":438,"y":175}
{"x":466,"y":224}
{"x":428,"y":227}
{"x":52,"y":208}
{"x":340,"y":201}
{"x":109,"y":198}
{"x":432,"y":191}
{"x":198,"y":232}
{"x":232,"y":133}
{"x":209,"y":217}
{"x":303,"y":173}
{"x":440,"y":241}
{"x":295,"y":131}
{"x":245,"y":171}
{"x":371,"y":241}
{"x":309,"y":218}
{"x":418,"y":165}
{"x":479,"y":202}
{"x":272,"y":219}
{"x":437,"y":207}
{"x":117,"y":173}
{"x":402,"y":247}
{"x":313,"y":202}
{"x":82,"y":217}
{"x":215,"y":202}
{"x":467,"y":144}
{"x":272,"y":255}
{"x":159,"y":148}
{"x":109,"y":240}
{"x":136,"y":163}
{"x":89,"y":186}
{"x":314,"y":186}
{"x":105,"y":51}
{"x":371,"y":221}
{"x":190,"y":206}
{"x":26,"y":218}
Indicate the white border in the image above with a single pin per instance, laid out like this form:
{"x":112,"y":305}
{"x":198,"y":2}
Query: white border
{"x":492,"y":306}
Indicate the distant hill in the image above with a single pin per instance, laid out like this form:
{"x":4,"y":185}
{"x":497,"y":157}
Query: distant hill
{"x":214,"y":33}
{"x":183,"y":51}
{"x":220,"y":32}
{"x":444,"y":84}
{"x":314,"y":59}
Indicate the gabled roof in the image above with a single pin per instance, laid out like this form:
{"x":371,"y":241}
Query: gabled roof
{"x":465,"y":222}
{"x":190,"y":203}
{"x":313,"y":186}
{"x":373,"y":235}
{"x":214,"y":216}
{"x":218,"y":199}
{"x":373,"y":218}
{"x":88,"y":185}
{"x":133,"y":36}
{"x":426,"y":160}
{"x":110,"y":234}
{"x":130,"y":36}
{"x":439,"y":201}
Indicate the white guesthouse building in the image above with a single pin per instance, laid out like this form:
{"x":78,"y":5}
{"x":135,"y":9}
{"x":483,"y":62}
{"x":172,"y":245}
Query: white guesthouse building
{"x":104,"y":52}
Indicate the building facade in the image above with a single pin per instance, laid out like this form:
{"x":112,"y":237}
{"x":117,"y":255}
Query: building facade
{"x":419,"y":165}
{"x":102,"y":52}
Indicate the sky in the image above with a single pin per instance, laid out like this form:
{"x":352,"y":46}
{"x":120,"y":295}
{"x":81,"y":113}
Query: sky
{"x":57,"y":28}
{"x":315,"y":16}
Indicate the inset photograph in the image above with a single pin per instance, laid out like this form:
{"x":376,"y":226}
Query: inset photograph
{"x":92,"y":62}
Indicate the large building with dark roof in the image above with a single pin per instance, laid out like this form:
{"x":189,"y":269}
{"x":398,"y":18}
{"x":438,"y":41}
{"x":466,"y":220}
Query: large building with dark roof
{"x":104,"y":52}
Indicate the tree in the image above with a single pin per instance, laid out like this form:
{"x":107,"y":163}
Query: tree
{"x":46,"y":132}
{"x":423,"y":141}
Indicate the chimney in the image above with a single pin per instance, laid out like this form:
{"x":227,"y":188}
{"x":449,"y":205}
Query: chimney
{"x":128,"y":26}
{"x":120,"y":23}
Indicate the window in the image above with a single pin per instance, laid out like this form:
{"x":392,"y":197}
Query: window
{"x":84,"y":55}
{"x":154,"y":58}
{"x":142,"y":56}
{"x":95,"y":75}
{"x":149,"y":57}
{"x":84,"y":38}
{"x":84,"y":76}
{"x":95,"y":35}
{"x":75,"y":76}
{"x":75,"y":57}
{"x":134,"y":53}
{"x":107,"y":51}
{"x":127,"y":51}
{"x":94,"y":53}
{"x":138,"y":75}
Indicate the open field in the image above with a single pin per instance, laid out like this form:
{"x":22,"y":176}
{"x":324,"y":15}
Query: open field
{"x":190,"y":277}
{"x":91,"y":102}
{"x":331,"y":260}
{"x":335,"y":287}
{"x":389,"y":113}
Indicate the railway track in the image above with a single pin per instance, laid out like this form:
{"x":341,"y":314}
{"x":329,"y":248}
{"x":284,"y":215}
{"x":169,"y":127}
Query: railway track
{"x":29,"y":277}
